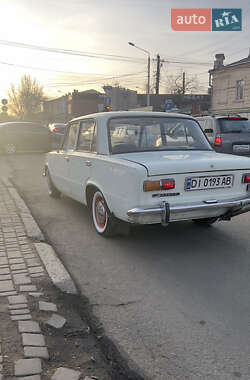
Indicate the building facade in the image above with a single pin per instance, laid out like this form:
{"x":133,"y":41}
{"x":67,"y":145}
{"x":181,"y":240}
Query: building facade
{"x":230,"y":86}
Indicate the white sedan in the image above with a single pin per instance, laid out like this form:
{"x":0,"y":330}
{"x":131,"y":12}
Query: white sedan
{"x":134,"y":167}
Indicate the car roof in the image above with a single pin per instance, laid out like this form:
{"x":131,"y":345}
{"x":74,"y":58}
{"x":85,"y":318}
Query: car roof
{"x":109,"y":115}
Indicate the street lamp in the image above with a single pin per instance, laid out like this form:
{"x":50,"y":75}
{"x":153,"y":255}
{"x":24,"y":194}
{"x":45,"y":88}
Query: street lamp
{"x":148,"y":85}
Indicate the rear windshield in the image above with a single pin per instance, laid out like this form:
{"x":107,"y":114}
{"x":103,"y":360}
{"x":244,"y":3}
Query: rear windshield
{"x":140,"y":134}
{"x":234,"y":125}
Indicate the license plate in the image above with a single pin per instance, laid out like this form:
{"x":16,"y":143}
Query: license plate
{"x":205,"y":183}
{"x":241,"y":148}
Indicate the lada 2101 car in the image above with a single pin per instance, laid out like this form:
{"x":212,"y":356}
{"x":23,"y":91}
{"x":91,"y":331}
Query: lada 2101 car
{"x":145,"y":168}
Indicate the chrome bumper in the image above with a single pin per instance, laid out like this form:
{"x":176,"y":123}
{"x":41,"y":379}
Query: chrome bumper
{"x":166,"y":211}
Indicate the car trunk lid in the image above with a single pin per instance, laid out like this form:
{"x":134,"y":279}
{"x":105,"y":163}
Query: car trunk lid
{"x":171,"y":162}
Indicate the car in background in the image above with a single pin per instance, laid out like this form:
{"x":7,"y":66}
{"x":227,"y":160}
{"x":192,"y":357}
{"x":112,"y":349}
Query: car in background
{"x":57,"y":132}
{"x":227,"y":134}
{"x":146,"y":168}
{"x":22,"y":136}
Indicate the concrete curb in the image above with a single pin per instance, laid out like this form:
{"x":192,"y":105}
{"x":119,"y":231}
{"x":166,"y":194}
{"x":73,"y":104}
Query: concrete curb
{"x":56,"y":270}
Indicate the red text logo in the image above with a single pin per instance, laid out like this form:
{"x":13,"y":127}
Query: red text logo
{"x":191,"y":19}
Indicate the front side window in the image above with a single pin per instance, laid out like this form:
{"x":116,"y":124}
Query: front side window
{"x":140,"y":134}
{"x":87,"y":136}
{"x":239,"y":89}
{"x":70,"y":137}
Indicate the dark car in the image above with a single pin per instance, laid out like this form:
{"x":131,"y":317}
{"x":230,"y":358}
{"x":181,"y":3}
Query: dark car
{"x":24,"y":137}
{"x":57,"y":132}
{"x":227,"y":134}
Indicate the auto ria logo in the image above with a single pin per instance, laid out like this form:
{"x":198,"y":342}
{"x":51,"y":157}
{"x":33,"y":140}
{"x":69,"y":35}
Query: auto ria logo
{"x":206,"y":19}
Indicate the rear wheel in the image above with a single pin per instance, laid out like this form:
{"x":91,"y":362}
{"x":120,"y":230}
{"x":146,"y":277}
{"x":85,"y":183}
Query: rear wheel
{"x":104,"y":222}
{"x":205,"y":221}
{"x":52,"y":190}
{"x":10,"y":148}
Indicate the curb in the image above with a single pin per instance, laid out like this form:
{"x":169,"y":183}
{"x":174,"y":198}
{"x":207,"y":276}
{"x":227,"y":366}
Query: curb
{"x":56,"y":270}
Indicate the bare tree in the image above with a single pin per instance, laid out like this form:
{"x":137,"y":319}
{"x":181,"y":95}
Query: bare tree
{"x":174,"y":84}
{"x":25,"y":101}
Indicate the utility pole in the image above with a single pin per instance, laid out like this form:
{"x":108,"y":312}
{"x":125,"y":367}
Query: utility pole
{"x":158,"y":69}
{"x":183,"y":83}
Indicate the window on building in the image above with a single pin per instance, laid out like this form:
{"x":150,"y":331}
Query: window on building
{"x":239,"y":89}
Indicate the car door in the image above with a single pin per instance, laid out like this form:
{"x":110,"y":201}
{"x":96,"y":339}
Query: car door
{"x":81,"y":159}
{"x":60,"y":164}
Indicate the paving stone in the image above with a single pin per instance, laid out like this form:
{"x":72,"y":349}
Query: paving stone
{"x":20,"y":271}
{"x":30,"y":256}
{"x":22,"y":317}
{"x":34,"y":275}
{"x":36,"y":352}
{"x":56,"y":321}
{"x":33,"y":262}
{"x":6,"y":286}
{"x":5,"y":294}
{"x":24,"y":367}
{"x":14,"y":254}
{"x":35,"y":377}
{"x":4,"y":271}
{"x":66,"y":373}
{"x":21,"y":279}
{"x":29,"y":327}
{"x":47,"y":306}
{"x":36,"y":269}
{"x":2,"y":254}
{"x":36,"y":294}
{"x":17,"y":299}
{"x":17,"y":266}
{"x":16,"y":261}
{"x":18,"y":306}
{"x":3,"y":309}
{"x":33,"y":339}
{"x":1,"y":358}
{"x":27,"y":288}
{"x":4,"y":277}
{"x":3,"y":260}
{"x":19,"y":311}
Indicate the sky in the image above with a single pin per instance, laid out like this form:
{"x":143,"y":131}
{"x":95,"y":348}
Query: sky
{"x":96,"y":27}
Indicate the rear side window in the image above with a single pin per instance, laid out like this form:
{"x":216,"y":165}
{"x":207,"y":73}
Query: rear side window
{"x":234,"y":125}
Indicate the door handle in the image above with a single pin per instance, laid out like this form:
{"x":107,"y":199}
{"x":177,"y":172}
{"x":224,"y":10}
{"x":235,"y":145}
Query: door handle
{"x":88,"y":163}
{"x":66,"y":158}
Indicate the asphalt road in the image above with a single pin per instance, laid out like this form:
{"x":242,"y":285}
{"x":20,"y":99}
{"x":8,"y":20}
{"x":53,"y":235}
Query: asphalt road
{"x":176,"y":300}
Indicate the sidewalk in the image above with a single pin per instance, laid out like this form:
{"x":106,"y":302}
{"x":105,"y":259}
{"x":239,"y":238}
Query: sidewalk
{"x":42,"y":336}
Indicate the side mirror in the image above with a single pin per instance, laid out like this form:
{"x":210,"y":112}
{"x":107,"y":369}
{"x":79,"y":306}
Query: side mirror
{"x":208,"y":130}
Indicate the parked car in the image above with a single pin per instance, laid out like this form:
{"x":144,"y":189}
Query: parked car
{"x":173,"y":176}
{"x":24,"y":137}
{"x":57,"y":132}
{"x":227,"y":134}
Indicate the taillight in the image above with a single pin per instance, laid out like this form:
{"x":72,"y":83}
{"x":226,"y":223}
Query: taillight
{"x":167,"y":184}
{"x":164,"y":184}
{"x":55,"y":130}
{"x":246,"y":178}
{"x":218,"y":141}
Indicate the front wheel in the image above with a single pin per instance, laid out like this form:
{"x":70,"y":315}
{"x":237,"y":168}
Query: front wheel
{"x":52,"y":190}
{"x":205,"y":221}
{"x":104,"y":222}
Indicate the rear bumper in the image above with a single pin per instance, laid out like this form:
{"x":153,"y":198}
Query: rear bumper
{"x":165,"y":213}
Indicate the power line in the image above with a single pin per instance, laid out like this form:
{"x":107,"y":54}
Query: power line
{"x":72,"y":52}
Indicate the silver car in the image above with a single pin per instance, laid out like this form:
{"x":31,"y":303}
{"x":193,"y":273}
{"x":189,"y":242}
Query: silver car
{"x":227,"y":134}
